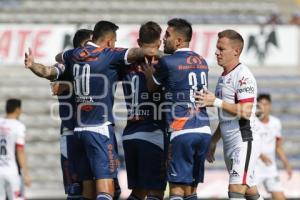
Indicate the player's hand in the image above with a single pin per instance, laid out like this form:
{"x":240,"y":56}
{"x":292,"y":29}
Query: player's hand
{"x":27,"y":180}
{"x":148,"y":68}
{"x":289,"y":171}
{"x":57,"y":88}
{"x":29,"y":59}
{"x":204,"y":98}
{"x":266,"y":159}
{"x":211,"y":152}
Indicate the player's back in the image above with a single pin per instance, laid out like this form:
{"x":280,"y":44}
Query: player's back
{"x":12,"y":134}
{"x":183,"y":73}
{"x":141,"y":104}
{"x":94,"y":71}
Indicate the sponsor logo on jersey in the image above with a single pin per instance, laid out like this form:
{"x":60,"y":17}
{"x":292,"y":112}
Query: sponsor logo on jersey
{"x":248,"y":89}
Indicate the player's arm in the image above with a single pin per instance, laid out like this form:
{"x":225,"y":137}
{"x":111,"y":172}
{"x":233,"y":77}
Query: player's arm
{"x":213,"y":145}
{"x":138,"y":54}
{"x":48,"y":72}
{"x":282,"y":156}
{"x":21,"y":157}
{"x":59,"y":58}
{"x":207,"y":98}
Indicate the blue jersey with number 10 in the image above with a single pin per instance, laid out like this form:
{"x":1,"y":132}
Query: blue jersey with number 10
{"x":95,"y":72}
{"x":182,"y":73}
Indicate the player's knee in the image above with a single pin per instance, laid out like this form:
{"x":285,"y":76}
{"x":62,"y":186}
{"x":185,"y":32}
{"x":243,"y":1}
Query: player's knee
{"x":236,"y":196}
{"x":104,"y":196}
{"x":237,"y":188}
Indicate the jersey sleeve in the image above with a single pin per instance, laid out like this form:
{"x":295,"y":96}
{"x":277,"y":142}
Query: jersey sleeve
{"x":118,"y":56}
{"x":161,"y":73}
{"x":60,"y":68}
{"x":246,"y":87}
{"x":20,"y":142}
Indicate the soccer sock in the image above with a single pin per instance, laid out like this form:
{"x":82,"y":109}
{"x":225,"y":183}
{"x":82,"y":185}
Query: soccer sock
{"x":132,"y":197}
{"x":191,"y":197}
{"x":176,"y":197}
{"x":236,"y":196}
{"x":104,"y":196}
{"x":152,"y":198}
{"x":117,"y":190}
{"x":254,"y":197}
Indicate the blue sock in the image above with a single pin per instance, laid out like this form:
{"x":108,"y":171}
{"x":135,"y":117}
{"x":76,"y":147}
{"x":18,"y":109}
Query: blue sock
{"x":104,"y":196}
{"x":152,"y":198}
{"x":191,"y":197}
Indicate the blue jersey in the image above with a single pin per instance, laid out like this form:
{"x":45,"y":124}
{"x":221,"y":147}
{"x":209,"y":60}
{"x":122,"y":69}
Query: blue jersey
{"x":142,"y":106}
{"x":182,"y":73}
{"x":66,"y":103}
{"x":95,"y":72}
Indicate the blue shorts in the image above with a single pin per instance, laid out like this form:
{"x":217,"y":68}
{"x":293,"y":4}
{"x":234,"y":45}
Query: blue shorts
{"x":186,"y":158}
{"x":98,"y":158}
{"x":145,"y":165}
{"x":69,"y":154}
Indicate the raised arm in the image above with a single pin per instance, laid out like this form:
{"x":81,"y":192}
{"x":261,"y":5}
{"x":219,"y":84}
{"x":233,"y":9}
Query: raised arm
{"x":48,"y":72}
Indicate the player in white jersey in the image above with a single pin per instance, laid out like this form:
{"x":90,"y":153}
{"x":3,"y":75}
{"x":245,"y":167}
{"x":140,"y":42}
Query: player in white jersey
{"x":270,"y":133}
{"x":235,"y":98}
{"x":12,"y":140}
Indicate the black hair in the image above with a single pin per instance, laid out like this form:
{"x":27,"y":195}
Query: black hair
{"x":264,"y":96}
{"x":182,"y":27}
{"x":149,"y":32}
{"x":12,"y":105}
{"x":102,"y":28}
{"x":80,"y":36}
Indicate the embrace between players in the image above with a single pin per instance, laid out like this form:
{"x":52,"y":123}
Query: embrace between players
{"x":169,"y":145}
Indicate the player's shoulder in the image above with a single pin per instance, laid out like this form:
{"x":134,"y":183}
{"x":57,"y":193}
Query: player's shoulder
{"x":243,"y":71}
{"x":275,"y":120}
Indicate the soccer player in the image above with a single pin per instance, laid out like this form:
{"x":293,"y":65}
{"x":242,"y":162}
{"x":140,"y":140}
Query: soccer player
{"x":62,"y":87}
{"x":143,"y":136}
{"x":94,"y":70}
{"x":182,"y":73}
{"x":235,"y":98}
{"x":12,"y":141}
{"x":270,"y":133}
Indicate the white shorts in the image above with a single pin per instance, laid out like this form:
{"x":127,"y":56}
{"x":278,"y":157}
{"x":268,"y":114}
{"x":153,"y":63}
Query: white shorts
{"x":272,"y":184}
{"x":10,"y":185}
{"x":240,"y":161}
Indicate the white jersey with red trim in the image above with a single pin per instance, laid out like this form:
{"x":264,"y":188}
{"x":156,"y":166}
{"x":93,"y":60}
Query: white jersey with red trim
{"x":269,"y":132}
{"x":237,"y":86}
{"x":12,"y":134}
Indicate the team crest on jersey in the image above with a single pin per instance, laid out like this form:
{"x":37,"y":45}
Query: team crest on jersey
{"x":243,"y":81}
{"x":193,"y":60}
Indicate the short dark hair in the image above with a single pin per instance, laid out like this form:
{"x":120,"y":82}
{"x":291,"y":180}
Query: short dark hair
{"x":232,"y":35}
{"x":12,"y":105}
{"x":80,"y":36}
{"x":149,"y":32}
{"x":102,"y":28}
{"x":183,"y":27}
{"x":264,"y":96}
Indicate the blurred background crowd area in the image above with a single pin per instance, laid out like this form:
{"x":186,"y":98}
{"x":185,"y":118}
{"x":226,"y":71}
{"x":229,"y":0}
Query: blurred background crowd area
{"x":271,"y":29}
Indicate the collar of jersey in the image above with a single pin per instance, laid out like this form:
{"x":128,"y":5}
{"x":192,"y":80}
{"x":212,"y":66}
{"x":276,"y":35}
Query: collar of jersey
{"x":92,"y":44}
{"x":183,"y":49}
